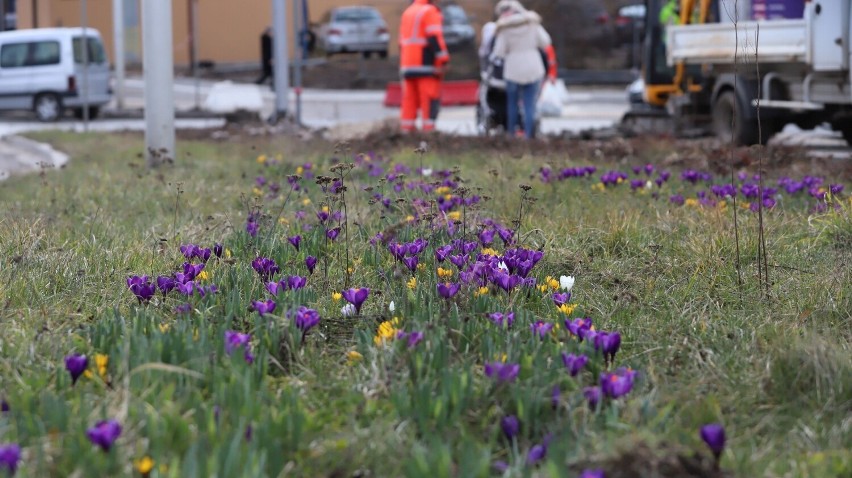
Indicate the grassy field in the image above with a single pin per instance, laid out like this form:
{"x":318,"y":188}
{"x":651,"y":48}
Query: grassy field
{"x":363,"y":394}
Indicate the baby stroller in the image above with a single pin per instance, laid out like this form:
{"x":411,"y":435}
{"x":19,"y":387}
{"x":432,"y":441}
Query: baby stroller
{"x":491,"y":108}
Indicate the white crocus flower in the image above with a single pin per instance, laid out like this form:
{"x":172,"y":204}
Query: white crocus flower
{"x":348,"y":310}
{"x":502,"y":266}
{"x":426,"y":172}
{"x":566,"y":283}
{"x":391,"y":307}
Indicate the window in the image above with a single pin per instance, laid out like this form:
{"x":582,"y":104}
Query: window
{"x":16,"y":55}
{"x":96,"y":50}
{"x":356,"y":15}
{"x":44,"y":53}
{"x":13,"y":55}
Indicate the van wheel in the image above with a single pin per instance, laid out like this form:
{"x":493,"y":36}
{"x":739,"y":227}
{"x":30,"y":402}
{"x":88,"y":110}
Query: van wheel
{"x":94,"y":111}
{"x":47,"y":107}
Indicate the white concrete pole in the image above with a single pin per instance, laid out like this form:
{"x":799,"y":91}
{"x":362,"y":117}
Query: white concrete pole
{"x":118,"y":53}
{"x":84,"y":21}
{"x":281,"y":58}
{"x":158,"y":67}
{"x":297,"y":66}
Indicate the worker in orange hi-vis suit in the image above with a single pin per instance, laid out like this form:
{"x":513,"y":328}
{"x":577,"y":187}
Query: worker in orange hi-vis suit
{"x":422,"y":60}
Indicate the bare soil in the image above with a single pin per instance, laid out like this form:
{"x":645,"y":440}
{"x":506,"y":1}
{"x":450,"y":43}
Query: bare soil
{"x":704,"y":154}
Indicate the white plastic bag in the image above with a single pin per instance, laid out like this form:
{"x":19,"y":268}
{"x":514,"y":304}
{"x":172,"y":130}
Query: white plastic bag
{"x":549,"y":101}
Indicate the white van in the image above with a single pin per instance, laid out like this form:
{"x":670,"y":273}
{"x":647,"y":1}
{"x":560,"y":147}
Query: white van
{"x":42,"y":70}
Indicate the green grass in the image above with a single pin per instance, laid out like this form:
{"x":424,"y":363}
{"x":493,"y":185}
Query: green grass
{"x":775,"y":367}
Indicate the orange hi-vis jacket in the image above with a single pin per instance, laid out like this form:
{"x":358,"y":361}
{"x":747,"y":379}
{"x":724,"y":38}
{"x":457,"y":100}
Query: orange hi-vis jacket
{"x":421,"y":41}
{"x":552,"y":67}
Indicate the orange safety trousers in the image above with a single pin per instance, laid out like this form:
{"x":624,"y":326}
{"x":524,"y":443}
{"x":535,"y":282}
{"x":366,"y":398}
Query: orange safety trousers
{"x":424,"y":94}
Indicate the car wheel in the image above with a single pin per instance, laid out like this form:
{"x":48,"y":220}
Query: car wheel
{"x":383,"y":54}
{"x":47,"y":107}
{"x":366,"y":54}
{"x":94,"y":111}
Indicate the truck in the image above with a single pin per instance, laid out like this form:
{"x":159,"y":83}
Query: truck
{"x":717,"y":69}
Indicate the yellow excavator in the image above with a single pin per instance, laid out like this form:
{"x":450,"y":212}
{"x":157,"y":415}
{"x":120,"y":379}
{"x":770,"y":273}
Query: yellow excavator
{"x":663,"y":84}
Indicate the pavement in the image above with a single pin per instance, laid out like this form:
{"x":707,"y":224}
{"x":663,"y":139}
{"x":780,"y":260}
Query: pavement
{"x":355,"y":112}
{"x":349,"y":110}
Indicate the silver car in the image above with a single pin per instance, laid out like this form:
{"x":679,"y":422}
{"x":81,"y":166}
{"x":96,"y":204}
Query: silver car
{"x":354,"y":30}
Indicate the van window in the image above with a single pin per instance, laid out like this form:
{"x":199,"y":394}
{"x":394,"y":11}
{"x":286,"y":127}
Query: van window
{"x":16,"y":55}
{"x":96,"y":50}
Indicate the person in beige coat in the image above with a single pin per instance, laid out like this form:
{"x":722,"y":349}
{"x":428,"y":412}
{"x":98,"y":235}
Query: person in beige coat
{"x":519,"y":41}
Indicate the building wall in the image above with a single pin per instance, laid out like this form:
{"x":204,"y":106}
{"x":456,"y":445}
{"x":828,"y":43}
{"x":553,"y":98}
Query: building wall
{"x":229,"y":30}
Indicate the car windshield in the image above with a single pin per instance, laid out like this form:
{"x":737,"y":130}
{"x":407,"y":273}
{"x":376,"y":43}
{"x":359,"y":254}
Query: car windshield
{"x":454,"y":14}
{"x":356,"y":15}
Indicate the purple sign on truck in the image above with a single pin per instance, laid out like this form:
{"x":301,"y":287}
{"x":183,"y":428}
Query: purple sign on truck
{"x":777,"y":9}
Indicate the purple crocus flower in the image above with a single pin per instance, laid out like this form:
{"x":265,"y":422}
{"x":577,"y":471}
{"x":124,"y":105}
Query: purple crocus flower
{"x":486,"y":237}
{"x":448,"y":290}
{"x":332,"y":233}
{"x":713,"y":435}
{"x":165,"y":284}
{"x":510,"y":426}
{"x":441,"y":253}
{"x":507,"y":282}
{"x":561,"y":298}
{"x":203,"y":291}
{"x":459,"y":260}
{"x":263,"y":307}
{"x":234,"y":340}
{"x":501,"y":319}
{"x":617,"y":384}
{"x":218,"y":249}
{"x":502,"y":372}
{"x":677,"y":199}
{"x":273,"y":287}
{"x":188,"y":250}
{"x":608,"y":343}
{"x":541,"y":328}
{"x":411,"y":263}
{"x":104,"y":434}
{"x":265,"y":267}
{"x":141,"y":287}
{"x":296,"y":282}
{"x":310,"y":263}
{"x":574,"y":363}
{"x":356,"y":297}
{"x":593,"y":474}
{"x":506,"y":235}
{"x":203,"y":253}
{"x":191,"y":271}
{"x":186,"y":288}
{"x":593,"y":396}
{"x":4,"y":406}
{"x":579,"y":327}
{"x":251,"y":228}
{"x":76,"y":364}
{"x":306,"y":319}
{"x":295,"y":240}
{"x":10,"y":456}
{"x":536,"y":454}
{"x":413,"y":338}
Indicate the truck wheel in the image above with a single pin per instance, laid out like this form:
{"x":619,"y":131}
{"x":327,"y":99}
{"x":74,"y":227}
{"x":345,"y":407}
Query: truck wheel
{"x":845,"y":128}
{"x":47,"y":107}
{"x":730,"y":122}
